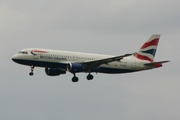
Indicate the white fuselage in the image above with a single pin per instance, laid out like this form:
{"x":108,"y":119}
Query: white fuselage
{"x":59,"y":59}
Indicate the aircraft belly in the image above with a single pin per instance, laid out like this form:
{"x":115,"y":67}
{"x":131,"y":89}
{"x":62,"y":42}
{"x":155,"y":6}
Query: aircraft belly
{"x":112,"y":70}
{"x":42,"y":63}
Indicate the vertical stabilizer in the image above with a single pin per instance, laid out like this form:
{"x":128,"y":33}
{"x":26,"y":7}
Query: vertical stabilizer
{"x":148,"y":50}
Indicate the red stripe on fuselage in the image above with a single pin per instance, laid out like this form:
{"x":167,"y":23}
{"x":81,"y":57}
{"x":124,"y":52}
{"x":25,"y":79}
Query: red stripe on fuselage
{"x":39,"y":51}
{"x":142,"y":57}
{"x":151,"y":43}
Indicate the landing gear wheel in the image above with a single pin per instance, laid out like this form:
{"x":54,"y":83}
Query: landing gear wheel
{"x":90,"y":77}
{"x":31,"y":73}
{"x":75,"y":79}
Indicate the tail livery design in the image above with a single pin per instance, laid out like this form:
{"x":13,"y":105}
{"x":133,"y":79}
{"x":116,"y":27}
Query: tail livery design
{"x":148,"y":50}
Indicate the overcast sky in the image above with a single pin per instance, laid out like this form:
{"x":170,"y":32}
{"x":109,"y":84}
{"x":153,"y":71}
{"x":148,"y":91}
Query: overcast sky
{"x":114,"y":27}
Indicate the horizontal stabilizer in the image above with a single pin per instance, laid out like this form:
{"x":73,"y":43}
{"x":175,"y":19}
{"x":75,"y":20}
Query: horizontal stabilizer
{"x":155,"y":63}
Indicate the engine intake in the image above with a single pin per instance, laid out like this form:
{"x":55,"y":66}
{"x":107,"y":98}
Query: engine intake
{"x":75,"y":67}
{"x":54,"y":71}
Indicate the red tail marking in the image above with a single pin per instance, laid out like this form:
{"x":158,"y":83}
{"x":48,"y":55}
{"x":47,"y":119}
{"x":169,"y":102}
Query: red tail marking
{"x":141,"y":57}
{"x":151,"y":43}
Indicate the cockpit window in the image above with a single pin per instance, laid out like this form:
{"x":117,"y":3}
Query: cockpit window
{"x":23,"y":52}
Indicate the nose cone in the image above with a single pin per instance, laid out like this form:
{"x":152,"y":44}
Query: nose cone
{"x":15,"y":58}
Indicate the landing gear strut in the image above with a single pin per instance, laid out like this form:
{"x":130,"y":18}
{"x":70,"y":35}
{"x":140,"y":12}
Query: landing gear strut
{"x":32,"y":69}
{"x":75,"y":79}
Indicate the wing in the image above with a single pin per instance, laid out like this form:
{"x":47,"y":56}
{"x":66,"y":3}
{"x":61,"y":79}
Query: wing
{"x":95,"y":63}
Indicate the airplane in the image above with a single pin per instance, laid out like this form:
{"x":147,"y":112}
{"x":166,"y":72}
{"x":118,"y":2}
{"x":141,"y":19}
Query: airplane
{"x":57,"y":62}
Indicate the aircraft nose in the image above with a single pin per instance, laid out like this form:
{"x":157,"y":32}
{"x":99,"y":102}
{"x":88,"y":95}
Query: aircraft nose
{"x":15,"y":58}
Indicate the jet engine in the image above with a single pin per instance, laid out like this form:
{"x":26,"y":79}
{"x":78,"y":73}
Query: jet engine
{"x":54,"y":71}
{"x":75,"y":67}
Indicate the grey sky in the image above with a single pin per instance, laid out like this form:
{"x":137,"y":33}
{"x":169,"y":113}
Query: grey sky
{"x":96,"y":26}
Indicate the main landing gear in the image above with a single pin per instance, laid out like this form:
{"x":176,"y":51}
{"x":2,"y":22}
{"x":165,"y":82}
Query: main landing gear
{"x":32,"y":69}
{"x":89,"y":77}
{"x":76,"y":79}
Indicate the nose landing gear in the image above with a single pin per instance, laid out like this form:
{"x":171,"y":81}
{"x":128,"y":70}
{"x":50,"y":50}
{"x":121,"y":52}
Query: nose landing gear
{"x":32,"y":69}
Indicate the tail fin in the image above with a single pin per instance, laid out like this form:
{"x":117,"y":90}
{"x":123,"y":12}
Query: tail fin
{"x":148,"y":50}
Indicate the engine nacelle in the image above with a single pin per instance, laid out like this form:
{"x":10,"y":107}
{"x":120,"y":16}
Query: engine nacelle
{"x":75,"y":67}
{"x":54,"y":71}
